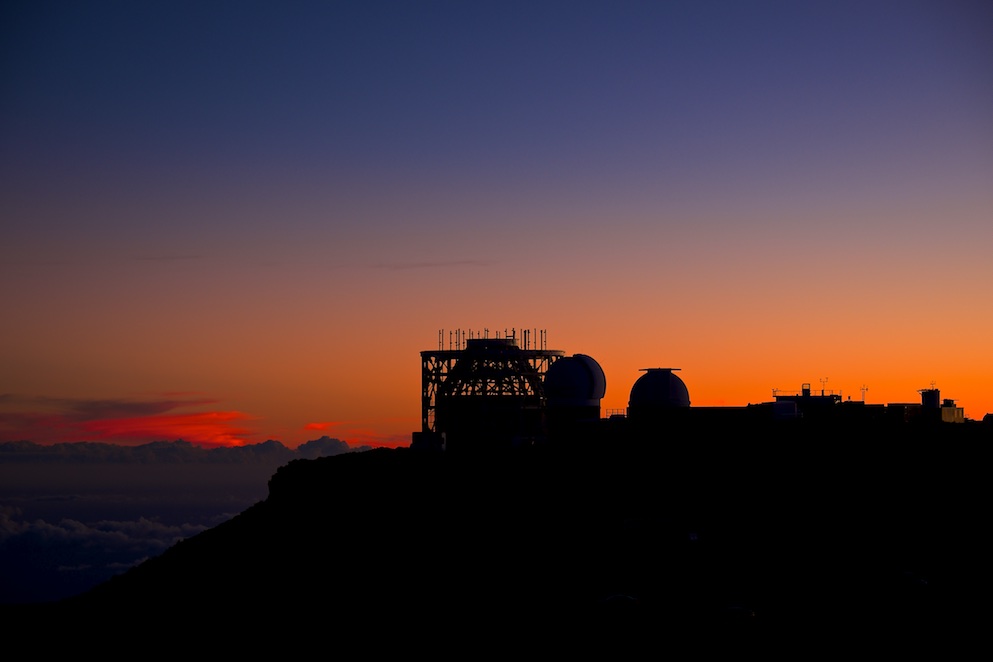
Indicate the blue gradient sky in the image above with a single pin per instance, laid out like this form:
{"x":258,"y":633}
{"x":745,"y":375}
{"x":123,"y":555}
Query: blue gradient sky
{"x":256,"y":214}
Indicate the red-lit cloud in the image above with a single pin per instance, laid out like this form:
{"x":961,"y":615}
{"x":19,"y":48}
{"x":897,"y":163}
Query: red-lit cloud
{"x":213,"y":428}
{"x":320,"y":426}
{"x":127,"y":421}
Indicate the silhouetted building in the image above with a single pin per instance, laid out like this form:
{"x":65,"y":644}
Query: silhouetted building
{"x":936,"y":409}
{"x":658,"y":395}
{"x":810,"y":404}
{"x":574,"y":387}
{"x":930,"y":398}
{"x":483,"y":393}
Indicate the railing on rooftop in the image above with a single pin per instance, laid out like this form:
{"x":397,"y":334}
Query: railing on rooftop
{"x":814,"y":392}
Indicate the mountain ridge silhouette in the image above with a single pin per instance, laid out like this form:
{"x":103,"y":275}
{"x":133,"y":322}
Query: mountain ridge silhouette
{"x":696,"y":535}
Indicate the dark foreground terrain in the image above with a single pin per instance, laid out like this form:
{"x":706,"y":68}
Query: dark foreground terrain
{"x":705,"y":537}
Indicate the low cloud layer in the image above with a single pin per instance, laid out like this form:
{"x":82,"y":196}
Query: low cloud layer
{"x":72,"y":515}
{"x":121,"y":420}
{"x":41,"y":560}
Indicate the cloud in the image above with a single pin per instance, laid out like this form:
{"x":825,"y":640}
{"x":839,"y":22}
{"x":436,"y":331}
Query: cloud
{"x":320,"y":426}
{"x":359,"y":434}
{"x":89,"y":410}
{"x":435,"y":264}
{"x":168,"y":257}
{"x":324,"y":447}
{"x":42,"y":560}
{"x":214,"y":428}
{"x":139,"y":421}
{"x":122,"y":420}
{"x":137,"y":536}
{"x":75,"y":514}
{"x":270,"y":453}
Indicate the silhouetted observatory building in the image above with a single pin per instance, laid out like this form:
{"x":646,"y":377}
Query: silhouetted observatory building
{"x":658,"y":394}
{"x":483,"y":391}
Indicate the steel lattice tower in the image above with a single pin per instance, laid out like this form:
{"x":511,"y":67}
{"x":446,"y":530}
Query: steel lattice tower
{"x":483,"y":382}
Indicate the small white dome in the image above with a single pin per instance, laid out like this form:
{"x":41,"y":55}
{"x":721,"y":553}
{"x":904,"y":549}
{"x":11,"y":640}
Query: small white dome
{"x":659,"y":387}
{"x":575,"y":380}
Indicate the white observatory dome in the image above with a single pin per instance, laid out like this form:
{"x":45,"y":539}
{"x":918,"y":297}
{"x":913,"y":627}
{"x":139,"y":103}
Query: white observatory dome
{"x":659,"y":388}
{"x":575,"y":380}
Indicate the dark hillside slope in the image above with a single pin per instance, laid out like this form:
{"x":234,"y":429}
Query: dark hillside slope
{"x":705,"y":535}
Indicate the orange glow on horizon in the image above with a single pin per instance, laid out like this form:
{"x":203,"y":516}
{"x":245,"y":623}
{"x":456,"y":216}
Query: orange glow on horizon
{"x":213,"y":428}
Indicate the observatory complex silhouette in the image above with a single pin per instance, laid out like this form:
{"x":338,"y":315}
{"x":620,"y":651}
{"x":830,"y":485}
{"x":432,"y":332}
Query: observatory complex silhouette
{"x":489,"y":390}
{"x":481,"y":393}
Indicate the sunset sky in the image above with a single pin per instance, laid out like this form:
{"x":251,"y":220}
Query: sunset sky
{"x":229,"y":222}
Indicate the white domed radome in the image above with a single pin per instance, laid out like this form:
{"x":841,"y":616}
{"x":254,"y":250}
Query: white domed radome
{"x":575,"y":381}
{"x":658,"y":389}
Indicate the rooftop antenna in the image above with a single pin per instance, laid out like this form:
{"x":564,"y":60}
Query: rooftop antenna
{"x":864,"y":389}
{"x":823,"y":382}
